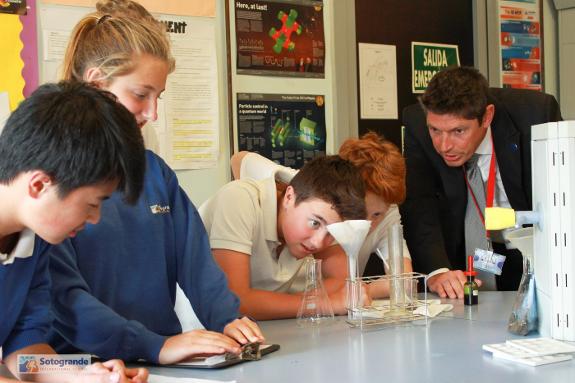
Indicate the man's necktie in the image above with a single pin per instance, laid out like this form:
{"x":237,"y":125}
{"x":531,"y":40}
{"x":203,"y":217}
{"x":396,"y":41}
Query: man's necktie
{"x":475,"y":235}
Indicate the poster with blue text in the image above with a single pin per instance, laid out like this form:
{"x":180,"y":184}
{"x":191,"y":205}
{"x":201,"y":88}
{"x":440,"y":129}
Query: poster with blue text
{"x":520,"y":40}
{"x":289,"y":129}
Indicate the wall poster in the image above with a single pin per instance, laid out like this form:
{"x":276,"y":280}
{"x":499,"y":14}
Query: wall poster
{"x":286,"y":128}
{"x":16,"y":7}
{"x":377,"y":81}
{"x":186,"y":132}
{"x":280,"y":38}
{"x":520,"y":40}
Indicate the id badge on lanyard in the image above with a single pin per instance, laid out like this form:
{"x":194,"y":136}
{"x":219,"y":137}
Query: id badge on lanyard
{"x":486,"y":259}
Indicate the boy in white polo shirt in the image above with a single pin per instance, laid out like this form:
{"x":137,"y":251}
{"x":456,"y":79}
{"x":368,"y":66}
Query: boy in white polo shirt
{"x":261,"y":231}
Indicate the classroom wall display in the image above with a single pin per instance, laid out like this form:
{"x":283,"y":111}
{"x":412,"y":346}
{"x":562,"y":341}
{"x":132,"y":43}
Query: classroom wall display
{"x":19,"y":47}
{"x":520,"y":41}
{"x":286,"y":128}
{"x":429,"y":58}
{"x":204,"y":8}
{"x":280,"y":38}
{"x":186,"y":132}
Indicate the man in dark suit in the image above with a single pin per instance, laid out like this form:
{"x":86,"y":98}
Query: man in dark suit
{"x":442,"y":133}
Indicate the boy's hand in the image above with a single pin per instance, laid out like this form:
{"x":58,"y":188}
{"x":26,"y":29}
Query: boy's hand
{"x":339,"y":299}
{"x":378,"y":288}
{"x":196,"y":343}
{"x":113,"y":371}
{"x":244,"y":331}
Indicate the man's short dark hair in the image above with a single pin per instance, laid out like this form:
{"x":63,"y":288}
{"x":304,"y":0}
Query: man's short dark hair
{"x":335,"y":181}
{"x":76,"y":134}
{"x":461,"y":91}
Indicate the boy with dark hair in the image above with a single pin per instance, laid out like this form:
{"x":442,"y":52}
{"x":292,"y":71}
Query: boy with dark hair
{"x":261,"y":231}
{"x":63,"y":151}
{"x":462,"y":136}
{"x":332,"y":180}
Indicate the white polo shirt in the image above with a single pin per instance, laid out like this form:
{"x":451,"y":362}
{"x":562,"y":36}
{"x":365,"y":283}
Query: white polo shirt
{"x":242,"y":217}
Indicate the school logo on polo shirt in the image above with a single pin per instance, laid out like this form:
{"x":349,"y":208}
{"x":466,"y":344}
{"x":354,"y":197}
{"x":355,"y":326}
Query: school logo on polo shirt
{"x":159,"y":209}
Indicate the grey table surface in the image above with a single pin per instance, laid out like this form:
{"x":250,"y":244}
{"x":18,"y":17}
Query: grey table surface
{"x":447,"y":349}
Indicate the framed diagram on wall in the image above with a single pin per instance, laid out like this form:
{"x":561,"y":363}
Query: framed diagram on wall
{"x":520,"y":44}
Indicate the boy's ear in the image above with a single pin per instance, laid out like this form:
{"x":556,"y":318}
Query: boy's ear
{"x":94,"y":76}
{"x":39,"y":183}
{"x":289,"y":197}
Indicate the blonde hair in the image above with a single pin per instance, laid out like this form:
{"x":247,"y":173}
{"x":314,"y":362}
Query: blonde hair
{"x":112,"y":43}
{"x":380,"y":163}
{"x":126,"y":8}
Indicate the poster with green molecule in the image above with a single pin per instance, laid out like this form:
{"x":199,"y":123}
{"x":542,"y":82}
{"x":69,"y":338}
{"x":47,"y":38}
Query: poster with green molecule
{"x":280,"y":38}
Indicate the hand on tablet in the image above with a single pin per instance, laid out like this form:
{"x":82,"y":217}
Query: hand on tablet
{"x":244,"y":331}
{"x":196,"y":343}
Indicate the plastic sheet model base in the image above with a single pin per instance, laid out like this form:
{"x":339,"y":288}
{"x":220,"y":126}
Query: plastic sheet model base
{"x":386,"y":312}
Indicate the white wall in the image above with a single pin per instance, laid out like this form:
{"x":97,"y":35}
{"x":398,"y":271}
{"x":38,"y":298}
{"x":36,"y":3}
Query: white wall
{"x":203,"y":183}
{"x":567,"y":58}
{"x":550,"y":49}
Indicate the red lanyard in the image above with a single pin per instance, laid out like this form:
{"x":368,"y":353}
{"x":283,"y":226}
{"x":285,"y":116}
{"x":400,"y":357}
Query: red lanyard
{"x":490,"y":185}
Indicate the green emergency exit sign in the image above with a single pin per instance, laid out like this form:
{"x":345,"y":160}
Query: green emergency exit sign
{"x":427,"y":59}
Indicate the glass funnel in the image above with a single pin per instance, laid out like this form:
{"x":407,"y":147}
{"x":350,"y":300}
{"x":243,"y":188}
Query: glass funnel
{"x":350,"y":235}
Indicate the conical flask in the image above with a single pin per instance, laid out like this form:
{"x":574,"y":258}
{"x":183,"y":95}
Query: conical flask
{"x":523,"y":318}
{"x":315,"y":308}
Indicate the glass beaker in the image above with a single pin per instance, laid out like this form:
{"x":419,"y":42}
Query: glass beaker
{"x":523,"y":318}
{"x":315,"y":308}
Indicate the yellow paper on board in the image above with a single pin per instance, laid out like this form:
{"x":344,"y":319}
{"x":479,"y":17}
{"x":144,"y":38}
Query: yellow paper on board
{"x":11,"y":80}
{"x":202,"y":8}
